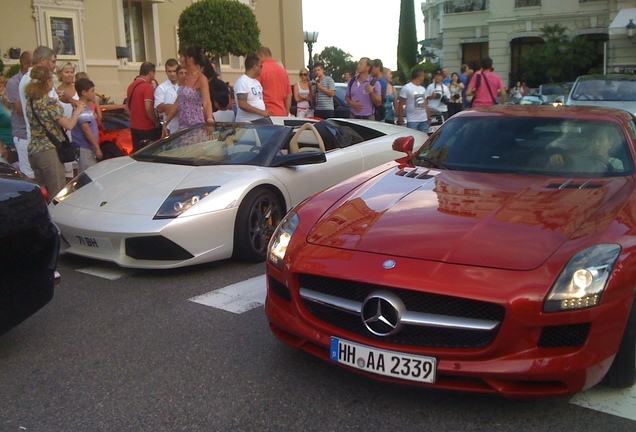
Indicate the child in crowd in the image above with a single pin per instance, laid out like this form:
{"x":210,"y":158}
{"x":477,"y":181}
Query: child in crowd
{"x":95,"y":104}
{"x":224,"y":112}
{"x":85,"y":132}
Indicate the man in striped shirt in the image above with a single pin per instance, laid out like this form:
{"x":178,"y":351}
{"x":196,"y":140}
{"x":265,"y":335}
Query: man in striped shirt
{"x":324,"y":89}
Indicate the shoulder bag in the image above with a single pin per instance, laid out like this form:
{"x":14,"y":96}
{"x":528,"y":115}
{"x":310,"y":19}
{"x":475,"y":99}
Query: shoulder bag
{"x":67,"y":151}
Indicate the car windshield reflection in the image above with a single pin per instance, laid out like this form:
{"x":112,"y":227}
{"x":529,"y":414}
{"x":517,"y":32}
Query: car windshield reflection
{"x":541,"y":146}
{"x":222,"y":144}
{"x":605,"y":90}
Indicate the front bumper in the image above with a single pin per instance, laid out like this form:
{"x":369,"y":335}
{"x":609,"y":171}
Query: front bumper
{"x":138,"y":241}
{"x":532,"y":353}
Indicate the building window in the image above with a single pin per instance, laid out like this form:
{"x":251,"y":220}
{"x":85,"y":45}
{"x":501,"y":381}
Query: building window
{"x":135,"y":32}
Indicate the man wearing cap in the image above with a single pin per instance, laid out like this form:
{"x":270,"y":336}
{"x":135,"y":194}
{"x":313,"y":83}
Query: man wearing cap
{"x":438,"y":94}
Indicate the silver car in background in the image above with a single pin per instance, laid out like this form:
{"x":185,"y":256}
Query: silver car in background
{"x":609,"y":91}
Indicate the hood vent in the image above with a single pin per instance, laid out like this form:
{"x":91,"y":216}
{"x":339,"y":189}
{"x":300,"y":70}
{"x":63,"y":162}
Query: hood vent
{"x":417,"y":173}
{"x":577,"y":184}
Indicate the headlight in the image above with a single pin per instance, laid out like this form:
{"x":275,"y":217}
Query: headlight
{"x":77,"y":183}
{"x":181,"y":200}
{"x":281,"y":238}
{"x":581,"y":283}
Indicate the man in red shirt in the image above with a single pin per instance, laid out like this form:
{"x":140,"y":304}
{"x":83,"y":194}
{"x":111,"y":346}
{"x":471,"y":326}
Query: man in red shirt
{"x":277,"y":92}
{"x":144,"y":124}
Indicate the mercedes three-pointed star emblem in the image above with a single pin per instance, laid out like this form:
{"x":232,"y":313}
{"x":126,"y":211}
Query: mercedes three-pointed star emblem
{"x":382,"y":313}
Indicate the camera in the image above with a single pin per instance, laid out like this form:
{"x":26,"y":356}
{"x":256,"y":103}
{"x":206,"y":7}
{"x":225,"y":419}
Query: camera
{"x":455,"y":96}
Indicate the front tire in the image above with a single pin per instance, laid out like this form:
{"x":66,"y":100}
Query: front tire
{"x":622,"y":373}
{"x":258,"y":215}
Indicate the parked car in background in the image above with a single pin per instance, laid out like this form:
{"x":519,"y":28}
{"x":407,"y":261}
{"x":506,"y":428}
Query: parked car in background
{"x":500,"y":257}
{"x":30,"y":246}
{"x":609,"y":91}
{"x":208,"y":193}
{"x":114,"y":138}
{"x":550,"y":92}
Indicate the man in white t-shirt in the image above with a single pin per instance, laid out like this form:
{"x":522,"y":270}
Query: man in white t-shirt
{"x":166,"y":93}
{"x":248,"y":93}
{"x":435,"y":92}
{"x":413,"y":95}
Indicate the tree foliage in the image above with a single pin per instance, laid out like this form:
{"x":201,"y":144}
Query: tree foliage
{"x":336,"y":62}
{"x":559,"y":59}
{"x":219,"y":27}
{"x":407,"y":41}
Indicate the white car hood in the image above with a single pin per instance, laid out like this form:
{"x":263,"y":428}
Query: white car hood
{"x":139,"y":188}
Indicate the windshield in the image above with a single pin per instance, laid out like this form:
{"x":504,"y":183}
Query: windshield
{"x":530,"y":145}
{"x":605,"y":90}
{"x":223,"y":144}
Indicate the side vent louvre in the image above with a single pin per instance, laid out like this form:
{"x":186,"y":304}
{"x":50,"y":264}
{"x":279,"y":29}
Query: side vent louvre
{"x":576,"y":184}
{"x":415,"y":173}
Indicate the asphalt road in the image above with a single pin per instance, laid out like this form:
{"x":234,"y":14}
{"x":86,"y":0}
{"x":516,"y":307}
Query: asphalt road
{"x":133,"y":354}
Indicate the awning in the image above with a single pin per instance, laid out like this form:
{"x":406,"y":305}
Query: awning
{"x":622,"y":19}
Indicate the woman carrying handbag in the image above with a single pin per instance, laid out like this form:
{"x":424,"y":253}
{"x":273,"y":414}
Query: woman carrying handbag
{"x":48,"y":117}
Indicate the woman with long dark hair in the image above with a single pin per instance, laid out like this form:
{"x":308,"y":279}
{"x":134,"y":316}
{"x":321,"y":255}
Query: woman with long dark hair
{"x":193,"y":105}
{"x":49,"y":171}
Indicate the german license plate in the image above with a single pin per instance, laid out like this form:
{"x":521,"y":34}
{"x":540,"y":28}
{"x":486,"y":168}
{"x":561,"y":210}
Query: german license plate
{"x":88,"y":242}
{"x":383,"y":362}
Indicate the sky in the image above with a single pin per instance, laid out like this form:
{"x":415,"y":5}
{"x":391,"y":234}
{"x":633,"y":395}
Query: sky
{"x":362,"y":28}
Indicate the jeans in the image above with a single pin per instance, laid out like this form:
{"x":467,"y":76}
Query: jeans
{"x":420,"y":126}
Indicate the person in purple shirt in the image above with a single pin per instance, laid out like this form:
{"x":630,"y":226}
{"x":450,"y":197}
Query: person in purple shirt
{"x":361,"y":95}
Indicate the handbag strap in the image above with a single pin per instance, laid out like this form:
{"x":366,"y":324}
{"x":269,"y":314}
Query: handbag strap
{"x":49,"y":134}
{"x":494,"y":99}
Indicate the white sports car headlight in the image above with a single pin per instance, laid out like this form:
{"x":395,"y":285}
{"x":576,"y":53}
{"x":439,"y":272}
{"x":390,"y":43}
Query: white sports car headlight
{"x":281,"y":238}
{"x":582,"y":281}
{"x":77,"y":183}
{"x":181,"y":200}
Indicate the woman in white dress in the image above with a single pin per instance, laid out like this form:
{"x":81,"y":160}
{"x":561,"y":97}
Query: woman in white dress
{"x":304,"y":95}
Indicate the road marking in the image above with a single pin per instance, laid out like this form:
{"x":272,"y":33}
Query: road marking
{"x":106,"y":272}
{"x":616,"y":402}
{"x":238,"y":298}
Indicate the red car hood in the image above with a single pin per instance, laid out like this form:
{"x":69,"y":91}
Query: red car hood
{"x":491,"y":220}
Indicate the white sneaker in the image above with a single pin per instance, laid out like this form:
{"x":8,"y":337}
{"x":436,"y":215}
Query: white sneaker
{"x":57,"y":275}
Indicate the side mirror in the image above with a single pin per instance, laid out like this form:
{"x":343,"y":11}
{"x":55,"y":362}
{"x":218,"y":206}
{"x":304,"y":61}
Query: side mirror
{"x":404,"y":145}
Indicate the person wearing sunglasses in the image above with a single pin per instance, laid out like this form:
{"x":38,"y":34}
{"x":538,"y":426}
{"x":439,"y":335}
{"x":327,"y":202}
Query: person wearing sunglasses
{"x":303,"y":95}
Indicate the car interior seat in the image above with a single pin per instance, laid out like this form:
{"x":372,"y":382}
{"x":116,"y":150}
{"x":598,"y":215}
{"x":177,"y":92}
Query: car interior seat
{"x":305,"y":139}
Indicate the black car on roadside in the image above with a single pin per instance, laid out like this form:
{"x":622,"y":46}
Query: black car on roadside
{"x":29,"y":246}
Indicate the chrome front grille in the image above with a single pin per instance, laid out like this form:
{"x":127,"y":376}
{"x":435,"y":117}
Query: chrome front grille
{"x":434,"y":320}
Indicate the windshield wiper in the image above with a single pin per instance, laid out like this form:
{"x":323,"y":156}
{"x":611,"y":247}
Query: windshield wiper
{"x":434,"y":162}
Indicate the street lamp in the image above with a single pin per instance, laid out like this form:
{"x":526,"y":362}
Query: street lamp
{"x":631,"y":29}
{"x":310,"y":40}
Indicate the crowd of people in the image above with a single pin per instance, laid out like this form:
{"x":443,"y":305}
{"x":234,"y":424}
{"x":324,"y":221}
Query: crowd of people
{"x":194,"y":93}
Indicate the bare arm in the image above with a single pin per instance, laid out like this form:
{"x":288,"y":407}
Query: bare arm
{"x":69,"y":123}
{"x":325,"y":90}
{"x":400,"y":110}
{"x":242,"y":103}
{"x":288,"y":103}
{"x":150,"y":111}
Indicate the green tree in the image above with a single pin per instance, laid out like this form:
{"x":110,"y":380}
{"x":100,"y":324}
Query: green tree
{"x":219,"y":27}
{"x":559,"y":59}
{"x":336,"y":62}
{"x":407,"y":41}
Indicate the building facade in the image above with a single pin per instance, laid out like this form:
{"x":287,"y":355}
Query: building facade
{"x":88,"y":33}
{"x":463,"y":31}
